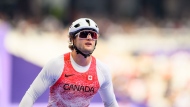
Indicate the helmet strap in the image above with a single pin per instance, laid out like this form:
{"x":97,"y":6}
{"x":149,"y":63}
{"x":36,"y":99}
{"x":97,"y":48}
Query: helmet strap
{"x":79,"y":52}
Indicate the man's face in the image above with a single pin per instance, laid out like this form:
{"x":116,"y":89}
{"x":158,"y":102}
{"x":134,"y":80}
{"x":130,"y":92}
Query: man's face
{"x":86,"y":43}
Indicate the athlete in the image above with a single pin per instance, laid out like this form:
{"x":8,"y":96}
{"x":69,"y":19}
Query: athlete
{"x":74,"y":77}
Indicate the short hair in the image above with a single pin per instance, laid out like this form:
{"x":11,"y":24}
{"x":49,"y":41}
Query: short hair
{"x":71,"y":40}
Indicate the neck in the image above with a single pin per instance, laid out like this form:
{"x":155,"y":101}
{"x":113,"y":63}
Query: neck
{"x":79,"y":59}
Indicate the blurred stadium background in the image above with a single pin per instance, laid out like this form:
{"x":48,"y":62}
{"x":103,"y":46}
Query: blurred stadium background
{"x":146,"y":43}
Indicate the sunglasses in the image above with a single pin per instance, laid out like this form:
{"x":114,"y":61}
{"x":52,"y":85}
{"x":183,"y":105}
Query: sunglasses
{"x":84,"y":33}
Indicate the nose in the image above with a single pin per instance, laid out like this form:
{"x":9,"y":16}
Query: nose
{"x":89,"y":36}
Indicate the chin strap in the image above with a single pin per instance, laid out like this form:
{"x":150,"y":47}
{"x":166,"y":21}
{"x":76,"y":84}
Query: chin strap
{"x":79,"y":52}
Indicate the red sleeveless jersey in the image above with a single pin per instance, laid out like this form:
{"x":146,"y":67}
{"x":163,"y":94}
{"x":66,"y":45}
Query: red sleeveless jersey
{"x":74,"y":89}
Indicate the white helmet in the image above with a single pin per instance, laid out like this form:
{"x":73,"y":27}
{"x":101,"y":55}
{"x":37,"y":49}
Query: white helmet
{"x":83,"y":24}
